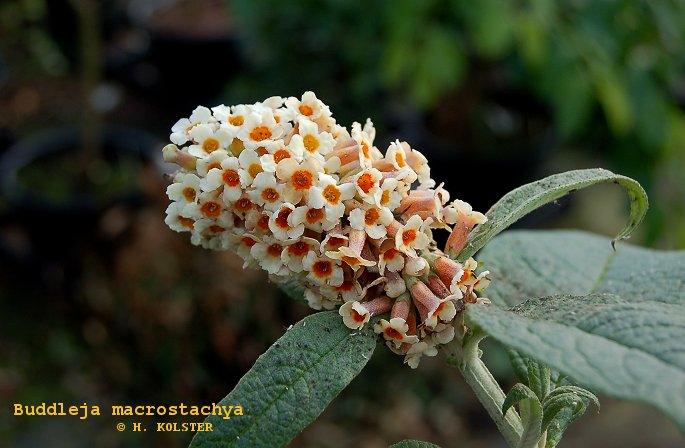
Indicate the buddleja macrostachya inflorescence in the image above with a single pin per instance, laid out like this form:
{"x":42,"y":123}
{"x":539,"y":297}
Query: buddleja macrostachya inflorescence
{"x":292,"y":192}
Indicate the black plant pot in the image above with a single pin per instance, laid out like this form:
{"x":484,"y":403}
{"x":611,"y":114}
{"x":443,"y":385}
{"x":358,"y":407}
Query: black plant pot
{"x":177,"y":64}
{"x":53,"y":204}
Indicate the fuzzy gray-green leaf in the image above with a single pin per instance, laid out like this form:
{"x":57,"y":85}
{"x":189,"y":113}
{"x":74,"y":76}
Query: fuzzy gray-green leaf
{"x":523,"y":200}
{"x":291,"y":383}
{"x":518,"y":393}
{"x":606,"y":354}
{"x":525,"y":264}
{"x":539,"y":378}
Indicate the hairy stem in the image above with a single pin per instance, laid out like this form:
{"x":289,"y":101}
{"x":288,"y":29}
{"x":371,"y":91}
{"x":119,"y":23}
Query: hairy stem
{"x":464,"y":354}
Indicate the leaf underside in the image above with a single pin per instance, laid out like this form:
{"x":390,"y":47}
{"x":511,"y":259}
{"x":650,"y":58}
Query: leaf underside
{"x":523,"y":200}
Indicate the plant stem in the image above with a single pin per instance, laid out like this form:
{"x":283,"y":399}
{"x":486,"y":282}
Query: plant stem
{"x":464,"y":354}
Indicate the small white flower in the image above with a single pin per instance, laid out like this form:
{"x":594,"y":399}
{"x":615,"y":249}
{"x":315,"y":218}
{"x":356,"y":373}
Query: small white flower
{"x":251,"y":166}
{"x":280,"y":226}
{"x":311,"y":142}
{"x":354,"y":315}
{"x":311,"y":218}
{"x":295,"y":252}
{"x":392,"y":192}
{"x":395,"y":330}
{"x":207,"y":140}
{"x":299,"y":177}
{"x":267,"y":192}
{"x":184,"y":191}
{"x":180,"y":132}
{"x":373,"y":220}
{"x":175,"y":219}
{"x":318,"y":301}
{"x":396,"y":155}
{"x":309,"y":106}
{"x":268,"y":254}
{"x":390,"y":259}
{"x":416,"y":351}
{"x":328,"y":195}
{"x":368,"y":185}
{"x":412,"y":236}
{"x":275,"y":152}
{"x":227,"y":175}
{"x":259,"y":130}
{"x":210,"y":162}
{"x":321,"y":270}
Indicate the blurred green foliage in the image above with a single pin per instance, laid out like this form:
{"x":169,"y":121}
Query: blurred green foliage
{"x":611,"y":72}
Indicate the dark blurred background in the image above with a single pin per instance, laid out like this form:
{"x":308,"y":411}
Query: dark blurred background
{"x":101,"y":303}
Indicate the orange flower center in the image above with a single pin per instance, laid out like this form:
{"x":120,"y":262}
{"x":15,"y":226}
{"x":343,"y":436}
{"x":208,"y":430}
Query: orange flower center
{"x":282,"y":218}
{"x":323,"y":269}
{"x":260,"y":133}
{"x":213,"y":165}
{"x":236,"y":120}
{"x":243,"y":205}
{"x":189,"y":194}
{"x":249,"y":242}
{"x":365,"y":149}
{"x":310,"y":142}
{"x":211,"y":209}
{"x":314,"y":215}
{"x":231,"y":178}
{"x":216,"y":229}
{"x":210,"y":145}
{"x":305,"y":109}
{"x":280,"y":155}
{"x":186,"y":222}
{"x":358,"y":317}
{"x":301,"y":180}
{"x":371,"y":216}
{"x":346,"y":286}
{"x":270,"y":195}
{"x":399,"y":158}
{"x":331,"y":194}
{"x":261,"y":151}
{"x":438,"y":310}
{"x":275,"y":250}
{"x":236,"y":146}
{"x":385,"y":197}
{"x":255,"y":169}
{"x":391,"y":333}
{"x":298,"y":249}
{"x":389,"y":254}
{"x":408,"y":236}
{"x":263,"y":222}
{"x":365,"y":182}
{"x":335,"y":241}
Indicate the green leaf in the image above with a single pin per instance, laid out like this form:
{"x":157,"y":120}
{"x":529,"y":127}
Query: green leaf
{"x":526,"y":264}
{"x":628,"y":350}
{"x":539,"y":378}
{"x":517,"y":394}
{"x":414,"y":444}
{"x":291,"y":383}
{"x":519,"y":363}
{"x":572,"y":397}
{"x":570,"y":406}
{"x":559,"y":424}
{"x":523,"y":200}
{"x":531,"y":413}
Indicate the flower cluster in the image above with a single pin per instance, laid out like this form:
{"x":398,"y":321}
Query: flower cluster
{"x":296,"y":194}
